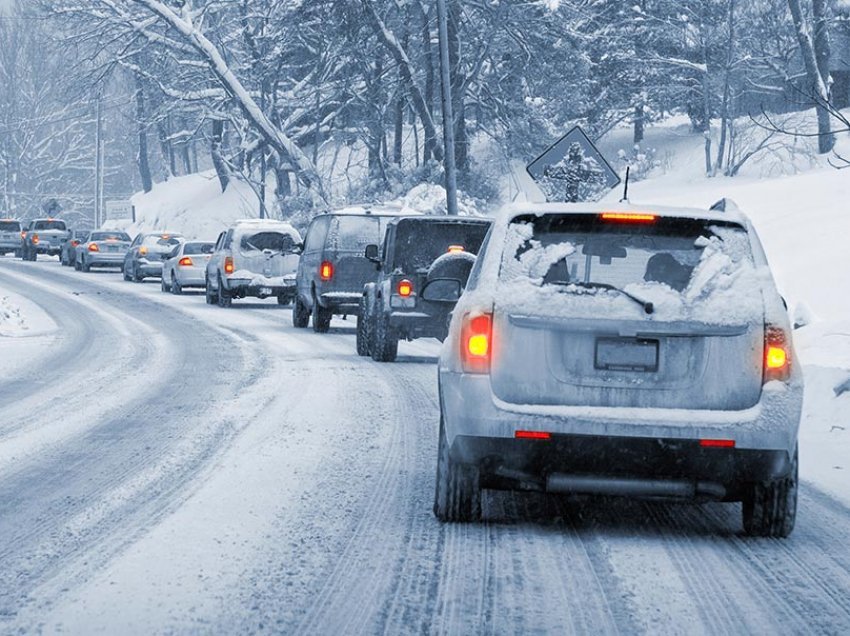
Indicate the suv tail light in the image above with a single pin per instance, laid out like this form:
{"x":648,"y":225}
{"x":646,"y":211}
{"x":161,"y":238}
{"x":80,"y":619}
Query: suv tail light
{"x":185,"y":262}
{"x":326,"y":271}
{"x":93,"y":247}
{"x":476,"y":347}
{"x":228,"y":265}
{"x":777,"y":354}
{"x":405,"y":288}
{"x":35,"y":239}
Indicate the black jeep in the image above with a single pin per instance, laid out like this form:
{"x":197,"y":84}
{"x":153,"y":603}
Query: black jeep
{"x":422,"y":270}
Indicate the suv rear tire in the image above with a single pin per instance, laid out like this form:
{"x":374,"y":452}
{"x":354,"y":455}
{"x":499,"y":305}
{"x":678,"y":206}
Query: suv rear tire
{"x":321,"y":318}
{"x":210,"y":295}
{"x":458,"y":491}
{"x":770,"y":508}
{"x":364,"y":347}
{"x":383,"y":341}
{"x":224,"y":299}
{"x":300,"y":314}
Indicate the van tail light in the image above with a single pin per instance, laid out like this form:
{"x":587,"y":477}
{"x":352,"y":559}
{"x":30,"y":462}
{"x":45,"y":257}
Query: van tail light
{"x":228,"y":265}
{"x":185,"y":262}
{"x":777,"y":354}
{"x":35,"y":239}
{"x":143,"y":251}
{"x":405,"y":288}
{"x":477,"y":343}
{"x":93,"y":247}
{"x":326,"y":271}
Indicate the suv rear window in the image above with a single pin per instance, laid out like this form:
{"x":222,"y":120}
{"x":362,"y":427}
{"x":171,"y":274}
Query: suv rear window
{"x":420,"y":243}
{"x":50,"y":225}
{"x":274,"y":241}
{"x":354,"y":233}
{"x":10,"y":226}
{"x":161,"y":240}
{"x":191,"y":249}
{"x":673,"y":263}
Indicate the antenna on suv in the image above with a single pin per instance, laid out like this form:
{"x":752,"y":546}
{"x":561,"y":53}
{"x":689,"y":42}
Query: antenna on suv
{"x":625,"y":198}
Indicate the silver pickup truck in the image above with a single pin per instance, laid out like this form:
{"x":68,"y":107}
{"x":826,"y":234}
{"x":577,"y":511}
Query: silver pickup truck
{"x":44,"y":236}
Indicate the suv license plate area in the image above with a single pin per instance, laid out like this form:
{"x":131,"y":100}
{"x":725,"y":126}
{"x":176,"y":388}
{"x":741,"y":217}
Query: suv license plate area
{"x":626,"y":354}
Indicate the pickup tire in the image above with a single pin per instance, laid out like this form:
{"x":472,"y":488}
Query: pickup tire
{"x":383,"y":340}
{"x":321,"y":317}
{"x":300,"y":314}
{"x":458,"y":492}
{"x":364,"y":346}
{"x":770,"y":508}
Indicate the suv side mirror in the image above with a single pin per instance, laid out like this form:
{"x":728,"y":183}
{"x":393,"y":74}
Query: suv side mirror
{"x":443,"y":290}
{"x":373,"y":254}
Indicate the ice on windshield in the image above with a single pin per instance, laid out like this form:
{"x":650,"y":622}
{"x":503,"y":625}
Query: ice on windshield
{"x":354,"y":233}
{"x":274,"y":241}
{"x":688,"y":270}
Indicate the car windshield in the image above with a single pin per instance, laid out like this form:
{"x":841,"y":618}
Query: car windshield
{"x":10,"y":226}
{"x":419,"y":243}
{"x":267,"y":240}
{"x":674,"y":263}
{"x":356,"y":232}
{"x":50,"y":225}
{"x":192,"y":249}
{"x":162,"y":240}
{"x":109,"y":236}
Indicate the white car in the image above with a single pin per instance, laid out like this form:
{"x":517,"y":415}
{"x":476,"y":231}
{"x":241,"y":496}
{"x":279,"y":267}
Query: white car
{"x":186,"y":266}
{"x":621,"y":351}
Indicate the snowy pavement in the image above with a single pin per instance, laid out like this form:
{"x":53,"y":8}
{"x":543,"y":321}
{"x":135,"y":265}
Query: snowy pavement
{"x":171,"y":467}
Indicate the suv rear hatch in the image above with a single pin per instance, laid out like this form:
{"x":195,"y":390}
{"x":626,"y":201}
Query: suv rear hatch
{"x":664,"y":313}
{"x":270,"y":253}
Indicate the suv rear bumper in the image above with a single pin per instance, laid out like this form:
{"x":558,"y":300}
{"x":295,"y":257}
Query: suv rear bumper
{"x":640,"y":442}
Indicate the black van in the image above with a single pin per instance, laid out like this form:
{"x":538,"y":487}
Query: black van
{"x":333,"y":268}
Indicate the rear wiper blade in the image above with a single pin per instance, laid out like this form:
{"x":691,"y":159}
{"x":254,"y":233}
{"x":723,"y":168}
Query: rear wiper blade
{"x":648,"y":307}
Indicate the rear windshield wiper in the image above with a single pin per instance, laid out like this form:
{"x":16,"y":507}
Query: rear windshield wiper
{"x":648,"y":307}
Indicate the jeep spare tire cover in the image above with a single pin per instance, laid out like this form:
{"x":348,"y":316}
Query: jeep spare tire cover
{"x":455,"y":265}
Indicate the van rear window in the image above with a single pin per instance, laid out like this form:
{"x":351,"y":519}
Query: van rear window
{"x":356,"y":232}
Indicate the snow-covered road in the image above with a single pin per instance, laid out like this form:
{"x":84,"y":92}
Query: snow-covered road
{"x":169,"y":467}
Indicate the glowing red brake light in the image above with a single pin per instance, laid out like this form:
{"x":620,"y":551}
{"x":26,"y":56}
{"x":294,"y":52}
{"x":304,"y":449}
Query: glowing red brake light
{"x":477,"y":343}
{"x":629,"y":217}
{"x":185,"y":262}
{"x":532,"y":435}
{"x":777,"y":355}
{"x":717,"y":443}
{"x":326,"y":271}
{"x":405,"y":288}
{"x":75,"y":243}
{"x":228,"y":265}
{"x":35,"y":239}
{"x":93,"y":247}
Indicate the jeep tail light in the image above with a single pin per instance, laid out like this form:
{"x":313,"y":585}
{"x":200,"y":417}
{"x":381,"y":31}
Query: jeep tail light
{"x":228,"y":265}
{"x":477,"y":343}
{"x":35,"y":239}
{"x":185,"y":262}
{"x":326,"y":271}
{"x":777,"y":354}
{"x":93,"y":247}
{"x":143,"y":251}
{"x":405,"y":288}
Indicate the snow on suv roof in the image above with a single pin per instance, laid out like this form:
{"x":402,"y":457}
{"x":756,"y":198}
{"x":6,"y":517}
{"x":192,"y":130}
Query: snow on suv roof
{"x":732,"y":213}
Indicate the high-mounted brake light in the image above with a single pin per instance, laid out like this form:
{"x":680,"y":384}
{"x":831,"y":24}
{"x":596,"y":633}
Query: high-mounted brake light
{"x":326,"y":271}
{"x":717,"y":443}
{"x":454,"y":249}
{"x":185,"y":262}
{"x":777,"y":356}
{"x":629,"y":217}
{"x":532,"y":435}
{"x":143,"y":251}
{"x":93,"y":247}
{"x":35,"y":239}
{"x":405,"y":288}
{"x":228,"y":265}
{"x":477,"y":343}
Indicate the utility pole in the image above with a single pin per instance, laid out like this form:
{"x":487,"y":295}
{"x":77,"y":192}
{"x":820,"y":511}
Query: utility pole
{"x":448,"y":111}
{"x":98,"y":163}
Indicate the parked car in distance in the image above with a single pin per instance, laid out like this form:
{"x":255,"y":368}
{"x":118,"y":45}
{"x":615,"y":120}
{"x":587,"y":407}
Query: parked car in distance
{"x":186,"y":266}
{"x":333,"y":268}
{"x":10,"y":237}
{"x":147,"y":253}
{"x":43,"y":236}
{"x":419,"y":255}
{"x":68,"y":255}
{"x":257,"y":258}
{"x":619,"y":351}
{"x":104,"y":248}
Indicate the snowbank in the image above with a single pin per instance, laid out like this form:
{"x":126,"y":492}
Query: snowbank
{"x":20,"y":317}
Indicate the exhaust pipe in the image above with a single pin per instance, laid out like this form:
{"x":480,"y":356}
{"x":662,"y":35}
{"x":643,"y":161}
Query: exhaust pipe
{"x":591,"y":485}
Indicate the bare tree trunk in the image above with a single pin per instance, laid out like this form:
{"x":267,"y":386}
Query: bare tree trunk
{"x":638,"y":124}
{"x":428,"y":64}
{"x":458,"y":82}
{"x":817,"y":82}
{"x":221,"y":169}
{"x":727,"y":80}
{"x":142,"y":159}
